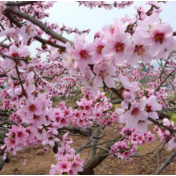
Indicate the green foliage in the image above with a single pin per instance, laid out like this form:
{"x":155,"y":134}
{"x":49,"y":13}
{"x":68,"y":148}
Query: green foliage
{"x":139,"y":148}
{"x":172,"y":117}
{"x":28,"y":58}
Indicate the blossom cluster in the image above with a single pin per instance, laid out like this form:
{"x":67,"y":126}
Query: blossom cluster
{"x":166,"y":135}
{"x":67,"y":161}
{"x":103,"y":4}
{"x":133,"y":139}
{"x":151,"y":40}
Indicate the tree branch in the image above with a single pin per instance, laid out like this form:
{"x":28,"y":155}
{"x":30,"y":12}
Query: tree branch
{"x":5,"y":46}
{"x":7,"y":122}
{"x":43,"y":41}
{"x":146,"y":153}
{"x":160,"y":124}
{"x":164,"y":80}
{"x":92,"y":163}
{"x":24,"y":93}
{"x":159,"y":153}
{"x":76,"y":130}
{"x":38,"y":23}
{"x":21,"y":3}
{"x":13,"y":58}
{"x":167,"y":162}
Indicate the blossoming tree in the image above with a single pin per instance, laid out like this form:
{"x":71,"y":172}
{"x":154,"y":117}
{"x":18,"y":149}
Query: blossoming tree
{"x":106,"y":72}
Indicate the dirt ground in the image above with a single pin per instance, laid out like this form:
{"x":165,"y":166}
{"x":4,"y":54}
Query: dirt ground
{"x":33,"y":161}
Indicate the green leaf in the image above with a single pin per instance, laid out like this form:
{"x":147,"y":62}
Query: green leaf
{"x":145,"y":93}
{"x":139,"y":148}
{"x":129,"y":144}
{"x":28,"y":58}
{"x":107,"y":95}
{"x":8,"y":70}
{"x":131,"y":27}
{"x":9,"y":111}
{"x":172,"y":117}
{"x":115,"y":106}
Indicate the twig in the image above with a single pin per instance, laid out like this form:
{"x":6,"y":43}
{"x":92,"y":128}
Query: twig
{"x":2,"y":150}
{"x":13,"y":58}
{"x":5,"y":46}
{"x":47,"y":77}
{"x":7,"y":122}
{"x":42,"y":26}
{"x":19,"y":3}
{"x":160,"y":124}
{"x":146,"y":153}
{"x":164,"y":81}
{"x":159,"y":153}
{"x":101,"y":148}
{"x":43,"y":41}
{"x":102,"y":134}
{"x":167,"y":162}
{"x":83,"y":146}
{"x":24,"y":93}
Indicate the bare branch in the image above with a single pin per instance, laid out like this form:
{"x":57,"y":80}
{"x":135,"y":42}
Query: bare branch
{"x":7,"y":122}
{"x":13,"y":20}
{"x":117,"y":101}
{"x":47,"y":77}
{"x":2,"y":150}
{"x":101,"y":148}
{"x":146,"y":153}
{"x":93,"y":162}
{"x":101,"y":132}
{"x":164,"y":80}
{"x":24,"y":93}
{"x":159,"y":153}
{"x":43,"y":41}
{"x":84,"y":146}
{"x":116,"y":92}
{"x":4,"y":114}
{"x":13,"y":58}
{"x":160,"y":124}
{"x":35,"y":21}
{"x":21,"y":3}
{"x":167,"y":162}
{"x":83,"y":132}
{"x":5,"y":46}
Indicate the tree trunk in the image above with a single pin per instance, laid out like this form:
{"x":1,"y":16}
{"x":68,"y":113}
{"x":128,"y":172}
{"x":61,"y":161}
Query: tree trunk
{"x":95,"y":161}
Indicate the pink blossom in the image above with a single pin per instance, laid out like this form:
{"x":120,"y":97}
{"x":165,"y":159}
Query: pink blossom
{"x":27,"y":32}
{"x":82,"y":55}
{"x":28,"y":84}
{"x":77,"y":164}
{"x":96,"y":50}
{"x":152,"y":106}
{"x":20,"y":52}
{"x":140,"y":51}
{"x":135,"y":115}
{"x":118,"y":48}
{"x":161,"y":38}
{"x":130,"y":89}
{"x":31,"y":108}
{"x":104,"y":72}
